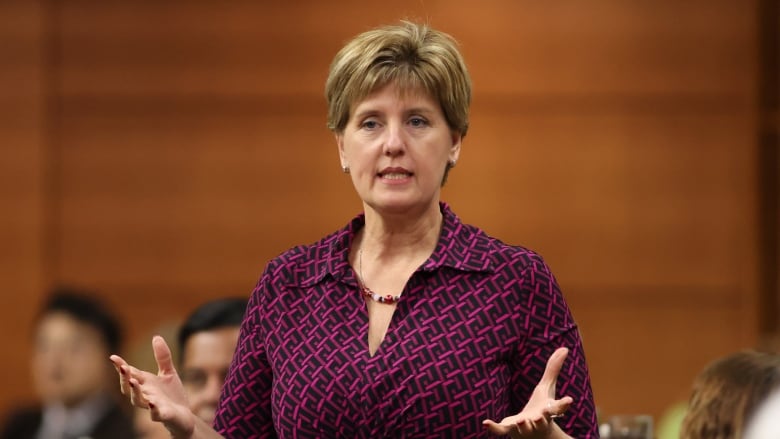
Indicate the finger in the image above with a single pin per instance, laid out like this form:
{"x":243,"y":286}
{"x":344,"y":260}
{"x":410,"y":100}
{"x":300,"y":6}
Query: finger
{"x":525,"y":427}
{"x":540,"y":424}
{"x":124,"y":380}
{"x":553,"y":368}
{"x":162,"y":354}
{"x":517,"y":432}
{"x":117,"y":360}
{"x":558,"y":407}
{"x":496,"y":428}
{"x":531,"y":427}
{"x":136,"y":396}
{"x":161,"y":413}
{"x":136,"y":374}
{"x":156,"y":413}
{"x":120,"y":364}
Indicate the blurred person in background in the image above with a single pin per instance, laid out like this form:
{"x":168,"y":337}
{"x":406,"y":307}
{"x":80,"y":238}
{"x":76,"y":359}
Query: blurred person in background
{"x":73,"y":334}
{"x":406,"y":322}
{"x":206,"y":343}
{"x":728,"y":392}
{"x":670,"y":422}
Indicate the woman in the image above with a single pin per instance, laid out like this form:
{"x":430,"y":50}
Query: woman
{"x":407,"y":322}
{"x":728,"y":392}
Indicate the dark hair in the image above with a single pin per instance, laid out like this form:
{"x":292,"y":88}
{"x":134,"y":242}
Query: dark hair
{"x":212,"y":315}
{"x":84,"y":306}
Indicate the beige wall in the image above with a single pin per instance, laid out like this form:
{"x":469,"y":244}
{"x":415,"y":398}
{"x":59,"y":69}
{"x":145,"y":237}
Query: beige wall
{"x":162,"y":153}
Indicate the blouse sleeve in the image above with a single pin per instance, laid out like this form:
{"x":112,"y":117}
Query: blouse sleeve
{"x":549,"y":325}
{"x":245,"y":405}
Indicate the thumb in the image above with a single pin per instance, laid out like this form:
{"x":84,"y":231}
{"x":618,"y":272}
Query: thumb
{"x":553,"y":368}
{"x":162,"y":354}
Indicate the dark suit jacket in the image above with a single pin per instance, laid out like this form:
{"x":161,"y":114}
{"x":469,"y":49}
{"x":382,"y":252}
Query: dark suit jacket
{"x":24,"y":424}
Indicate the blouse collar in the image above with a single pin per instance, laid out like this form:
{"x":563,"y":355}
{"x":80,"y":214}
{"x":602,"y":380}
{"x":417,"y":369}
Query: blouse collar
{"x":460,"y":247}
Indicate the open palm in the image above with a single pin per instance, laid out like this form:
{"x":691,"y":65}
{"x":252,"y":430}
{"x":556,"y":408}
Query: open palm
{"x":536,"y":418}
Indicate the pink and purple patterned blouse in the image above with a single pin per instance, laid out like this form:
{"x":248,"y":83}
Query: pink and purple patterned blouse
{"x":469,"y":341}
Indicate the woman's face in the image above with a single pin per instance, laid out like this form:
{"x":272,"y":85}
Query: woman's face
{"x":397,"y":147}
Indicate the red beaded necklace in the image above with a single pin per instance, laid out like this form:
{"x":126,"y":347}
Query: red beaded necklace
{"x":366,"y":292}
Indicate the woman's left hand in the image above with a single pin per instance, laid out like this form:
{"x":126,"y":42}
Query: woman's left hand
{"x":536,"y":418}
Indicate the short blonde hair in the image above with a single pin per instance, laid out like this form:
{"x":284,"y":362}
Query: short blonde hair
{"x":727,"y":392}
{"x":412,"y":56}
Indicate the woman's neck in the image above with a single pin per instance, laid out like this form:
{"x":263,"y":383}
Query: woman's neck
{"x":400,"y":236}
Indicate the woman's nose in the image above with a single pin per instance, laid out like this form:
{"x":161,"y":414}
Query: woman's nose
{"x":395,"y":141}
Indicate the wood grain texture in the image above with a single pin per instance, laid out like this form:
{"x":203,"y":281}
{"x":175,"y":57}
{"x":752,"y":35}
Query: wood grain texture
{"x":22,"y":190}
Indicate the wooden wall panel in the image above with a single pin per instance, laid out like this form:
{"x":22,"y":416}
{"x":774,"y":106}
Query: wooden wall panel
{"x":201,"y":193}
{"x":614,"y":50}
{"x":617,"y":139}
{"x":542,"y":49}
{"x":241,"y":49}
{"x":644,"y":352}
{"x":644,"y":198}
{"x":21,"y":189}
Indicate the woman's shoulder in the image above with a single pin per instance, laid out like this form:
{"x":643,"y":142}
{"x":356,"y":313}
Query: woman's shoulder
{"x":307,"y":260}
{"x":503,"y":252}
{"x":474,"y":241}
{"x":516,"y":258}
{"x":321,"y":248}
{"x":522,"y":263}
{"x":466,"y":245}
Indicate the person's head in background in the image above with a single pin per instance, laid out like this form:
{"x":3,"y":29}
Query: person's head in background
{"x":727,"y":392}
{"x":207,"y":340}
{"x":74,"y":335}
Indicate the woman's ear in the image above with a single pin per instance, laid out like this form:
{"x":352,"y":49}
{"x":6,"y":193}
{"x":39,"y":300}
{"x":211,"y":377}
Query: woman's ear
{"x":457,"y":140}
{"x":342,"y":155}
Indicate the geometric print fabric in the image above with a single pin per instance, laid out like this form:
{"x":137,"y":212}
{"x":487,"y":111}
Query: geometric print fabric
{"x":468,"y":341}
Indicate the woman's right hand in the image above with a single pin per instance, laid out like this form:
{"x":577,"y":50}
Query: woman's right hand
{"x":163,"y":394}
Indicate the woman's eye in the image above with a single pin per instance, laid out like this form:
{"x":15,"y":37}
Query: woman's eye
{"x":418,"y":122}
{"x":369,"y":124}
